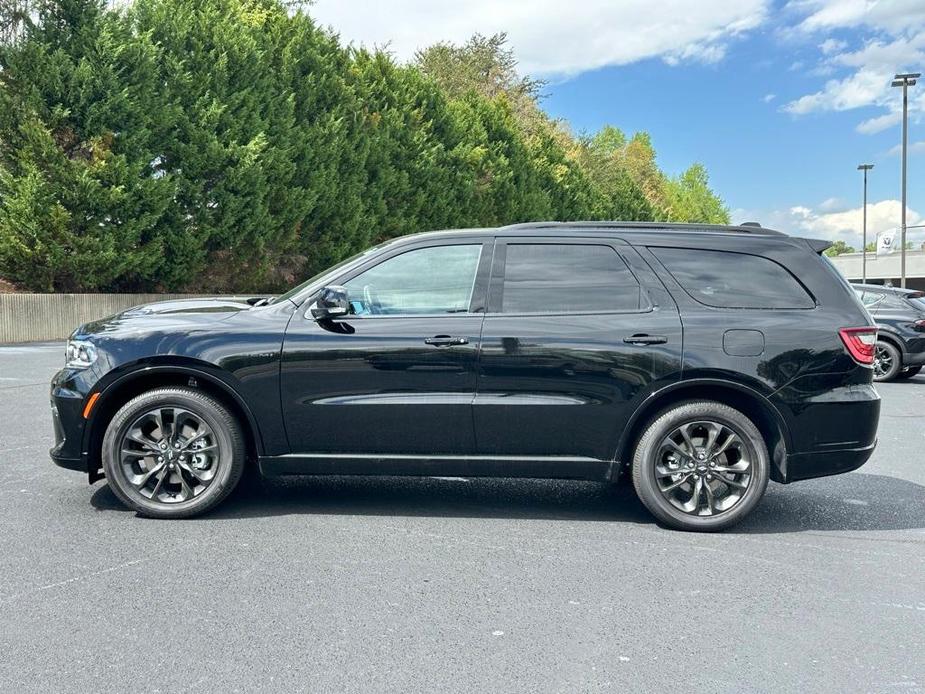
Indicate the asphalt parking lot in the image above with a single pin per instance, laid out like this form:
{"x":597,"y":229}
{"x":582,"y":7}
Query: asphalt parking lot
{"x":356,"y":584}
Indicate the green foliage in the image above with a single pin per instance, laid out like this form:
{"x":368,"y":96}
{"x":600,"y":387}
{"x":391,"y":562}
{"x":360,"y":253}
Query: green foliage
{"x":838,"y":248}
{"x":233,"y":145}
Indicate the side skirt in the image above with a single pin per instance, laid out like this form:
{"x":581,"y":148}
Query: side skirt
{"x":550,"y":467}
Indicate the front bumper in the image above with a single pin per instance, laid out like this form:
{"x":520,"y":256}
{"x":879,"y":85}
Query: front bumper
{"x":68,"y":423}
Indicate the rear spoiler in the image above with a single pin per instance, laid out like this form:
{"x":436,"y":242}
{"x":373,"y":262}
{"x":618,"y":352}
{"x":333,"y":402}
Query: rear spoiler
{"x":818,"y":245}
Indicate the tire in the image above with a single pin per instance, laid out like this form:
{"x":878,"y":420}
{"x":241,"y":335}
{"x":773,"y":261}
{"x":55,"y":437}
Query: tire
{"x":908,"y":372}
{"x":737,"y":480}
{"x":888,"y":362}
{"x":200,"y":465}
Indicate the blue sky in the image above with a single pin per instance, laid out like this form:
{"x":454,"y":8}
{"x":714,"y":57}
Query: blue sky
{"x":780,"y":99}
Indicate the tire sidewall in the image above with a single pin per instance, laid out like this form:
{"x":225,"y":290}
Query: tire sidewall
{"x":644,"y":462}
{"x":897,"y":362}
{"x":213,"y":414}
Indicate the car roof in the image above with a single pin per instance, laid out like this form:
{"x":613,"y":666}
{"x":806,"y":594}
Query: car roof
{"x":601,"y":227}
{"x":883,"y":289}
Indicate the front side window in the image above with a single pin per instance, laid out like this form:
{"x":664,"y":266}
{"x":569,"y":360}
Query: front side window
{"x":439,"y":279}
{"x":733,"y":280}
{"x":567,"y":278}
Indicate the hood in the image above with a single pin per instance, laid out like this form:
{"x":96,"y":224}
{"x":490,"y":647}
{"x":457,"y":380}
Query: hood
{"x":173,"y":312}
{"x":223,"y":305}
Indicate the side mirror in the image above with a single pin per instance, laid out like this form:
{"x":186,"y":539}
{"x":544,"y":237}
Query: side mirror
{"x":332,"y":302}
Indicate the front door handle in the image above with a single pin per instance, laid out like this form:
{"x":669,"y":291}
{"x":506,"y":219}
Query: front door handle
{"x":445,"y":340}
{"x":645,"y":340}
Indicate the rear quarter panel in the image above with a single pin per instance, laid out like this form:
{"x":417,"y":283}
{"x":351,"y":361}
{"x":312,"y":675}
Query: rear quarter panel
{"x":803,"y":369}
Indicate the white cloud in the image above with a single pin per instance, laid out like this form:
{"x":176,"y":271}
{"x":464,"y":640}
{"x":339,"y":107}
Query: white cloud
{"x":768,"y":98}
{"x":551,"y":37}
{"x":895,"y":42}
{"x":890,"y":15}
{"x":830,"y":46}
{"x":868,"y":84}
{"x":878,"y":123}
{"x":828,"y":222}
{"x":914,"y":148}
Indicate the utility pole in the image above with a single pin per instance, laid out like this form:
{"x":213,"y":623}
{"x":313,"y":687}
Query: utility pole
{"x":904,"y":80}
{"x":865,"y":168}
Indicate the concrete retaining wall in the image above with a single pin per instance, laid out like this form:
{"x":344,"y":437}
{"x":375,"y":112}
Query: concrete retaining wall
{"x":36,"y":317}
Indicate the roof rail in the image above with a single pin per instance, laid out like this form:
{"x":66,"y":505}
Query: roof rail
{"x":747,"y":228}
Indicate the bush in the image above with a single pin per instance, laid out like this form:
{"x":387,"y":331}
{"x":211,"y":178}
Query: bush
{"x":232,"y":145}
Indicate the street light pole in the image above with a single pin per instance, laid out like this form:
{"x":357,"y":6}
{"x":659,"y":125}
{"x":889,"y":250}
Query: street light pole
{"x":865,"y":168}
{"x":905,"y":81}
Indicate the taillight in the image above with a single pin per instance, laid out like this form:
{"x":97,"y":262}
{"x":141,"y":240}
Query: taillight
{"x":860,"y":343}
{"x":919,"y":325}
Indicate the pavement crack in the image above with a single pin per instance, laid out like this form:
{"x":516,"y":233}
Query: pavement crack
{"x":68,"y":581}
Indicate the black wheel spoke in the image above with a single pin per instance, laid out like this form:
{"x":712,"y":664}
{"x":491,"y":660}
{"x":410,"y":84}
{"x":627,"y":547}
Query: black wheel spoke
{"x":675,"y":485}
{"x":149,"y":474}
{"x":703,"y":468}
{"x":160,"y":463}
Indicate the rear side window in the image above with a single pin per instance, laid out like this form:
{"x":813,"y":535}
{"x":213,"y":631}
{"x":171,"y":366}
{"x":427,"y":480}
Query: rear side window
{"x":733,"y":280}
{"x":544,"y":278}
{"x":869,"y":298}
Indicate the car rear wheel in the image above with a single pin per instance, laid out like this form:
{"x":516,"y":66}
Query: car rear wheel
{"x":173,"y":453}
{"x":908,"y":372}
{"x":888,"y":362}
{"x":701,"y":466}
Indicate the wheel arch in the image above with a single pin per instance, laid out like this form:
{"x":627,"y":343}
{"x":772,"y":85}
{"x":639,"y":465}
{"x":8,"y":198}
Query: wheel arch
{"x":888,"y":335}
{"x":747,"y":400}
{"x":147,"y":377}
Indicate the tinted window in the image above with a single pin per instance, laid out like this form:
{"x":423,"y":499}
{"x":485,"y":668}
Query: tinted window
{"x":870,"y":298}
{"x":733,"y":280}
{"x":566,"y":278}
{"x":918,"y":303}
{"x":427,"y":280}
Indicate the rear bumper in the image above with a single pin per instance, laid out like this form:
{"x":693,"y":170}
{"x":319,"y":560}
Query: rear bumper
{"x":831,"y":431}
{"x":805,"y":466}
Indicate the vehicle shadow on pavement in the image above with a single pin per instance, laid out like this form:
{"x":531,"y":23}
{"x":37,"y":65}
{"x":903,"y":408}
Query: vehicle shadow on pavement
{"x":855,"y":501}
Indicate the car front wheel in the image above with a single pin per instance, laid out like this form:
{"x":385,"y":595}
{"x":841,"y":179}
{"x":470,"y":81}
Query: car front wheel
{"x":701,"y":466}
{"x":173,"y":453}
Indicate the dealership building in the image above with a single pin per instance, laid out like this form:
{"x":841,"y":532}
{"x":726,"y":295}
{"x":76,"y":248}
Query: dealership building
{"x":884,"y":269}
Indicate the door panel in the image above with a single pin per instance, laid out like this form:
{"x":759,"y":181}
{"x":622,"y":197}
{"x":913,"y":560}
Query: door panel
{"x":398,"y":375}
{"x":563,"y":383}
{"x":377,"y":387}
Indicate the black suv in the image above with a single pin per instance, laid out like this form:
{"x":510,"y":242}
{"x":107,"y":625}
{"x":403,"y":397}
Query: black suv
{"x":900,"y":317}
{"x":702,"y":361}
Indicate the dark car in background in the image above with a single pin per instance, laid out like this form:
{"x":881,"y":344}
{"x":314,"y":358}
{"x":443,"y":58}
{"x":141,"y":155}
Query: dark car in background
{"x":702,"y":361}
{"x":900,"y":317}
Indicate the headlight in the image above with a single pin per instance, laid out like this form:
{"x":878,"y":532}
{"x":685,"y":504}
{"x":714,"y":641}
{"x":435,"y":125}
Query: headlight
{"x":80,"y":354}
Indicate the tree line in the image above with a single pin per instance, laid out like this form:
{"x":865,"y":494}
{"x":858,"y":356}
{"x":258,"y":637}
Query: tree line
{"x":235,"y":145}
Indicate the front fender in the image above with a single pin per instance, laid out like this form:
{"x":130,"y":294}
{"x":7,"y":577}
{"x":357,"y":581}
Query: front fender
{"x":128,"y":380}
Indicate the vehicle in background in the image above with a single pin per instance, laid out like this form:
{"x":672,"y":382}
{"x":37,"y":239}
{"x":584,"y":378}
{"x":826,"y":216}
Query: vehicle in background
{"x":701,"y":361}
{"x":900,"y":317}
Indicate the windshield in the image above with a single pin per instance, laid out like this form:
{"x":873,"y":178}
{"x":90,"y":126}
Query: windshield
{"x":319,"y":278}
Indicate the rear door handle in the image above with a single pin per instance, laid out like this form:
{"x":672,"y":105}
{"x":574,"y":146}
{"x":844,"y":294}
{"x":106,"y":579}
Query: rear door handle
{"x":446,"y":340}
{"x":645,"y":340}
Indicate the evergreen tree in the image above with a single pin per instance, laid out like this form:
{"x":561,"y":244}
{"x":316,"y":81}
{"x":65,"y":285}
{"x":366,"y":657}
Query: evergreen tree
{"x":233,"y":145}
